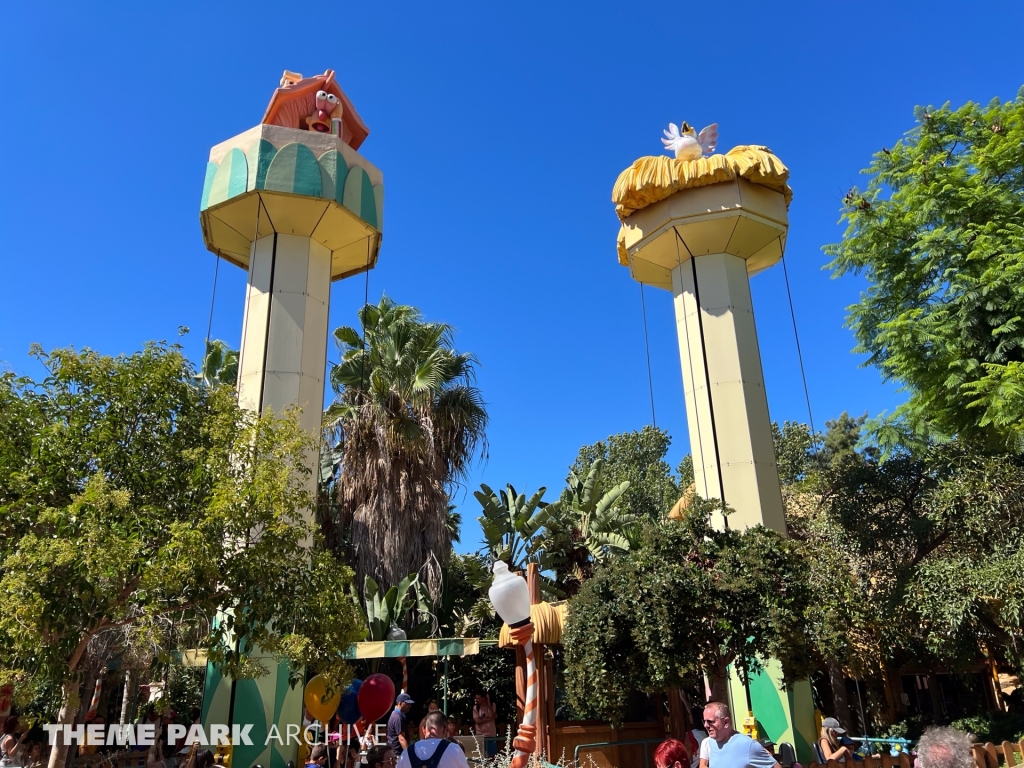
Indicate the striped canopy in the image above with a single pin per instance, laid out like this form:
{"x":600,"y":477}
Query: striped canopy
{"x":394,"y":649}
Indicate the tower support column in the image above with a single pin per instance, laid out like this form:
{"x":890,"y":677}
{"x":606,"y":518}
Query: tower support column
{"x":726,"y":406}
{"x":284,"y":332}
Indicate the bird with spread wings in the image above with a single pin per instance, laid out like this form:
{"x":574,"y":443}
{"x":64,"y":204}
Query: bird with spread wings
{"x":688,"y":144}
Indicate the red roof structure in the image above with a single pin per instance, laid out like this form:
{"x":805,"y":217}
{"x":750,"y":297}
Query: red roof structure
{"x":295,"y":101}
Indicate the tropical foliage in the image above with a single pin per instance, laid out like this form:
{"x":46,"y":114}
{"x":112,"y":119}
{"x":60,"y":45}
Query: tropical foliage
{"x":585,"y":527}
{"x":566,"y":538}
{"x":408,"y":421}
{"x":511,"y":525}
{"x":385,"y":611}
{"x":639,"y":458}
{"x":220,"y":364}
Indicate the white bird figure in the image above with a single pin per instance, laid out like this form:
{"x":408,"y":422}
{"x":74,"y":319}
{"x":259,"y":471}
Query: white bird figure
{"x":688,"y":144}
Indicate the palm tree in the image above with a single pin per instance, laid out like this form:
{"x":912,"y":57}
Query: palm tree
{"x":409,"y":422}
{"x":220,"y":364}
{"x":585,"y":527}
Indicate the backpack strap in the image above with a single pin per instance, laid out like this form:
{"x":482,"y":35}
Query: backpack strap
{"x":431,"y":762}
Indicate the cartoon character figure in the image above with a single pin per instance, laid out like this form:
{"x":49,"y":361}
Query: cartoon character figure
{"x":687,"y":144}
{"x":314,"y":104}
{"x":328,"y":106}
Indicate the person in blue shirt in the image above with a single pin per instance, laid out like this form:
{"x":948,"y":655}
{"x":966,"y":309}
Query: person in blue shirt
{"x":318,"y":756}
{"x":398,"y":723}
{"x":729,"y":749}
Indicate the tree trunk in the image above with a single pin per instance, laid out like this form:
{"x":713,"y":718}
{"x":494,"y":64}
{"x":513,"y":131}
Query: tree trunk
{"x":126,"y":698}
{"x":68,"y":709}
{"x":719,"y":675}
{"x":839,"y":700}
{"x":935,"y":691}
{"x":678,"y":717}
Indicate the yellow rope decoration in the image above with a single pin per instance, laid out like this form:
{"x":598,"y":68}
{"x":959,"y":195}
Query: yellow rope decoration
{"x":548,"y":620}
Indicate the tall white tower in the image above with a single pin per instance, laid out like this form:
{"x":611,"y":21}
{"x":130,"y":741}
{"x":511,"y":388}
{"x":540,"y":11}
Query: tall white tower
{"x":293,"y":203}
{"x":700,"y":228}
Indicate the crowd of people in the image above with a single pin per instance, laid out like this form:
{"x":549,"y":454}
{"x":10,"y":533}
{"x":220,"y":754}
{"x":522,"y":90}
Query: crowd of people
{"x":719,"y":745}
{"x":433,"y":742}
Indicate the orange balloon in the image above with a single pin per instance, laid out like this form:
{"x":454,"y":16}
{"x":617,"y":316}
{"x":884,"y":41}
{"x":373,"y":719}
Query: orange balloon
{"x":317,"y":701}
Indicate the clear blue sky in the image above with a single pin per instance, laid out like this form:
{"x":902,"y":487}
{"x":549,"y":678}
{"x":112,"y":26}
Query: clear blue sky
{"x":500,"y":129}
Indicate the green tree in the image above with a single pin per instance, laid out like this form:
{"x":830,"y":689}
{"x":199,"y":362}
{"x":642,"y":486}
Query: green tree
{"x":409,"y":423}
{"x":134,"y":505}
{"x":688,"y":599}
{"x":911,"y":558}
{"x":637,"y":457}
{"x":939,"y":236}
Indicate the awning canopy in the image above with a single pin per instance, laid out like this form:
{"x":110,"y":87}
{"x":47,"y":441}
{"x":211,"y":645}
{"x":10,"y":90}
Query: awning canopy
{"x":395,"y":649}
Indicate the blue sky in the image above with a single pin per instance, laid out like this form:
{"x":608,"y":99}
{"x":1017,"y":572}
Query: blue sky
{"x":500,"y":129}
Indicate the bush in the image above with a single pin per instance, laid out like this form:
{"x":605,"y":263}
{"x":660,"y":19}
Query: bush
{"x":995,"y":727}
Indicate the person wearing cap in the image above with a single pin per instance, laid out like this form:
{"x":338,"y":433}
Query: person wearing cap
{"x":831,"y":741}
{"x":398,"y":722}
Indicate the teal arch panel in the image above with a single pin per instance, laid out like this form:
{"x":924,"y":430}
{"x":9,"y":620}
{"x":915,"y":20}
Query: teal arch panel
{"x":368,"y":203}
{"x":249,"y":708}
{"x":378,"y":197}
{"x":230,"y":179}
{"x":294,"y":169}
{"x":211,"y":171}
{"x":359,"y":197}
{"x":333,"y":170}
{"x":260,"y":156}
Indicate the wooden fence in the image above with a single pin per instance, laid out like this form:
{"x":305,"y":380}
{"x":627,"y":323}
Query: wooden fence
{"x":997,"y":755}
{"x":1005,"y":755}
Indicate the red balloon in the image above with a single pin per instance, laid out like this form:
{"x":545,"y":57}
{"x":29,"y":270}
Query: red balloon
{"x":376,"y":696}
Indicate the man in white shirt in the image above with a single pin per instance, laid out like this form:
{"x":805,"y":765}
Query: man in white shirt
{"x":728,"y":749}
{"x":434,"y":751}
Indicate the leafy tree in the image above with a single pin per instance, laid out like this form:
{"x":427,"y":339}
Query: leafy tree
{"x":637,"y":457}
{"x":134,"y":505}
{"x":939,"y":236}
{"x":793,"y":451}
{"x":910,"y":558}
{"x":688,"y":599}
{"x":409,"y":422}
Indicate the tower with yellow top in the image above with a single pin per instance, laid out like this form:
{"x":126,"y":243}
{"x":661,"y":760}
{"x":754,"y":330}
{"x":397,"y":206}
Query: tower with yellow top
{"x":293,"y":203}
{"x":700,"y":228}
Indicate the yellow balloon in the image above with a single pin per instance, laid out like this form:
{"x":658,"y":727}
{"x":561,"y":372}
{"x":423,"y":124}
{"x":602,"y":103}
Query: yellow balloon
{"x":315,"y":697}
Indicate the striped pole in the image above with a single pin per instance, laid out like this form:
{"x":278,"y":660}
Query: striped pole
{"x":525,"y":742}
{"x":95,"y":703}
{"x":405,"y":675}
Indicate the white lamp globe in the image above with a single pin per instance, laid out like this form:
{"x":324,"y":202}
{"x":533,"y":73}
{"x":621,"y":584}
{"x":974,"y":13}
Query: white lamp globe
{"x":509,"y":595}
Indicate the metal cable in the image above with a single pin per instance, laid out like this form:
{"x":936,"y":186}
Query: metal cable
{"x":707,"y":373}
{"x":647,"y":346}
